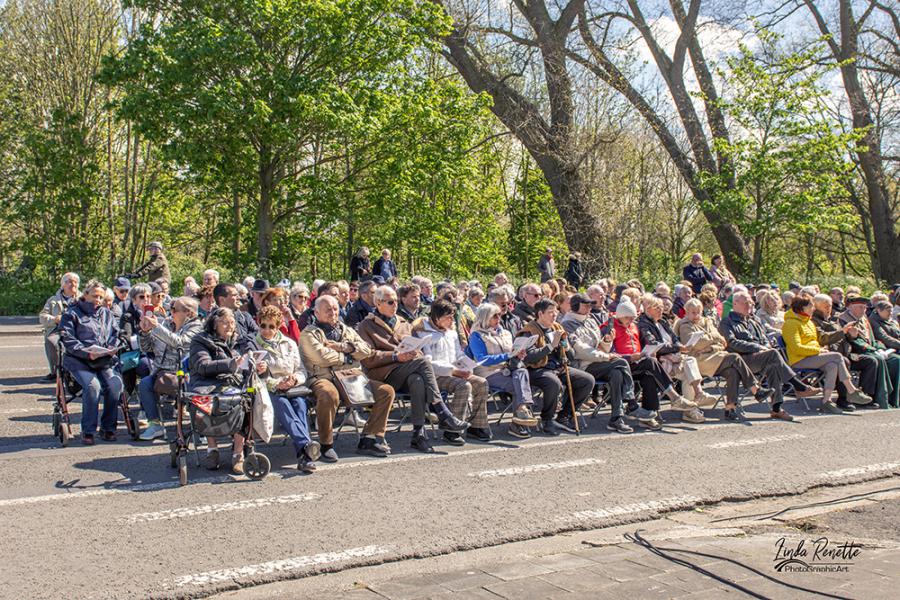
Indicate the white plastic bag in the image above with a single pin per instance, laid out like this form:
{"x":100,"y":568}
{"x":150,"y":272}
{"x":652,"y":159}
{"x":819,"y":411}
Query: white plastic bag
{"x":263,"y":412}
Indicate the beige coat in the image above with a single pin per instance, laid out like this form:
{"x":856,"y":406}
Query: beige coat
{"x":320,"y":360}
{"x":710,"y":350}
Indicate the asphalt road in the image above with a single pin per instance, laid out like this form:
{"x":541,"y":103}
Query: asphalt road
{"x":110,"y":521}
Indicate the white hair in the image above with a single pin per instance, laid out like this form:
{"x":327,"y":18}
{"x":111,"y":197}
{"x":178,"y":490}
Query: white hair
{"x":68,"y":277}
{"x":382,"y":291}
{"x":212,"y":272}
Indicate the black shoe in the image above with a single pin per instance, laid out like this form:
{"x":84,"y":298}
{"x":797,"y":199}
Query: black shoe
{"x":454,"y":439}
{"x":566,"y":424}
{"x":763,"y":394}
{"x":519,"y":431}
{"x":845,"y":406}
{"x":619,"y":426}
{"x":49,"y":377}
{"x":480,"y":434}
{"x":549,"y":428}
{"x":304,"y":464}
{"x":733,"y":414}
{"x":452,"y":424}
{"x":370,"y":447}
{"x":421,"y":443}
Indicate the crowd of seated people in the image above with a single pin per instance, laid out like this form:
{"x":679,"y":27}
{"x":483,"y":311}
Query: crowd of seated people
{"x":544,"y":350}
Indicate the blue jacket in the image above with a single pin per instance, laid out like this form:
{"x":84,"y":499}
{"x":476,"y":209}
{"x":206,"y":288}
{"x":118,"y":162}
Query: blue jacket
{"x":385,"y":268}
{"x":83,"y":326}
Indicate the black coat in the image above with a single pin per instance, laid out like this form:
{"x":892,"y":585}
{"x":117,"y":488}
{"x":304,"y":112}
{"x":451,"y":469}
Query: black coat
{"x":360,"y":269}
{"x":650,"y":334}
{"x":574,"y":274}
{"x":214,"y":362}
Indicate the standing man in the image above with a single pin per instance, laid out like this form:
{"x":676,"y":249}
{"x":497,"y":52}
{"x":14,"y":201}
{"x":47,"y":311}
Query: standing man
{"x":697,"y":273}
{"x":546,"y":266}
{"x":384,"y":266}
{"x":155,"y":268}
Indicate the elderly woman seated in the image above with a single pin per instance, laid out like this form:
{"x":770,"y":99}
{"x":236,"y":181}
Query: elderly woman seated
{"x":280,"y":299}
{"x":645,"y":370}
{"x":801,"y":340}
{"x":215,"y":365}
{"x":708,"y":348}
{"x":769,"y":311}
{"x":283,"y":378}
{"x":167,"y":341}
{"x":656,"y":331}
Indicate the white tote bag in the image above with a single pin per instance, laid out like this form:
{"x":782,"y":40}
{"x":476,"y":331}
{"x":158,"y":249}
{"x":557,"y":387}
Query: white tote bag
{"x":263,"y":412}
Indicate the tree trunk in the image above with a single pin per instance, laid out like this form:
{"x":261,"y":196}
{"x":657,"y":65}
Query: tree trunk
{"x":266,"y":222}
{"x":236,"y":213}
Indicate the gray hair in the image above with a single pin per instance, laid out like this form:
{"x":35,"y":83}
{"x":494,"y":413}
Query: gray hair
{"x":92,"y":285}
{"x":382,"y":291}
{"x":137,"y":289}
{"x":693,"y":303}
{"x":366,"y":286}
{"x":322,"y":299}
{"x":298,"y":288}
{"x":821,"y":299}
{"x":69,"y":276}
{"x":475,"y":292}
{"x":483,"y":316}
{"x":650,"y":301}
{"x":496,"y":293}
{"x":743,"y":294}
{"x":211,"y":272}
{"x":189,"y":305}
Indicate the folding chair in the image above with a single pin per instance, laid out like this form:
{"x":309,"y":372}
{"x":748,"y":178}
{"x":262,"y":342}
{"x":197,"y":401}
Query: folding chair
{"x":811,"y":377}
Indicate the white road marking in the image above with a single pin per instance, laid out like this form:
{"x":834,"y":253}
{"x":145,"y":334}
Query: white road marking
{"x":566,"y":464}
{"x":35,"y":369}
{"x":10,"y":411}
{"x":194,"y":511}
{"x":664,"y":505}
{"x":275,"y":566}
{"x":876,"y":468}
{"x":22,"y":346}
{"x":755,"y":441}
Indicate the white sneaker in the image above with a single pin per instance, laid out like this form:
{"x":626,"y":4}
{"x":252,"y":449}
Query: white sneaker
{"x":154,"y":430}
{"x":693,"y":416}
{"x":682,"y":403}
{"x":706,"y":400}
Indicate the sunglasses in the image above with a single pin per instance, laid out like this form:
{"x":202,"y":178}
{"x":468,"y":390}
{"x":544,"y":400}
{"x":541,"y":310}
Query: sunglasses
{"x":267,"y":326}
{"x":141,"y":296}
{"x":539,"y":295}
{"x":389,"y":302}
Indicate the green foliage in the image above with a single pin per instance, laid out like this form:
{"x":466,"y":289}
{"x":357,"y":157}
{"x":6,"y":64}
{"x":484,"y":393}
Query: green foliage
{"x":534,"y":225}
{"x":787,"y":169}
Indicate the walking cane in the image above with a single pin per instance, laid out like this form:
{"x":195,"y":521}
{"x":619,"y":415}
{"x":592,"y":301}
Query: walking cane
{"x":565,"y":362}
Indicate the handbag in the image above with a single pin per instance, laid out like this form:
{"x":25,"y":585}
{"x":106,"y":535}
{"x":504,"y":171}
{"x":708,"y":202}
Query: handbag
{"x":129,"y":360}
{"x":165,"y":383}
{"x":263,"y":411}
{"x":353,"y":387}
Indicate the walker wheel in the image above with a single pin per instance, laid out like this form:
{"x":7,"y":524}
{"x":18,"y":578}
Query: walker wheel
{"x":173,"y":455}
{"x":57,"y":425}
{"x":257,"y":466}
{"x":64,"y":435}
{"x":182,"y":469}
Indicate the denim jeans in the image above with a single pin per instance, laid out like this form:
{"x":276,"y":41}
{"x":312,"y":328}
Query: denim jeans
{"x":149,"y":398}
{"x":93,"y":383}
{"x":291,"y":413}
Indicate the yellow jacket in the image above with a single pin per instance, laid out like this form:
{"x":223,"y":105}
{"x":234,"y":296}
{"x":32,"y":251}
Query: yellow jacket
{"x":800,"y":337}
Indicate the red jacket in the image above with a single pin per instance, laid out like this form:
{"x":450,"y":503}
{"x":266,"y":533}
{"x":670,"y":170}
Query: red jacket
{"x":626,"y":340}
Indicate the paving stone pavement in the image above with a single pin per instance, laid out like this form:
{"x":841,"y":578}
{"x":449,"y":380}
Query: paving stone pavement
{"x":693,"y":568}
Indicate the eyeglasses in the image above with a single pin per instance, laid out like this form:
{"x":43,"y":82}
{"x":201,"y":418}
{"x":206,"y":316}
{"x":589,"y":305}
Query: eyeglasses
{"x":141,"y":296}
{"x":267,"y":326}
{"x":536,"y":295}
{"x":389,"y":302}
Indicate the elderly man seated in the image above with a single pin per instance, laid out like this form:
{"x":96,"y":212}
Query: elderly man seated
{"x":884,"y":387}
{"x":592,"y":355}
{"x":508,"y":320}
{"x":327,"y":346}
{"x":405,"y":371}
{"x":364,"y":305}
{"x":51,"y":315}
{"x":168,"y":342}
{"x":745,"y":335}
{"x":468,"y":392}
{"x":531,"y":293}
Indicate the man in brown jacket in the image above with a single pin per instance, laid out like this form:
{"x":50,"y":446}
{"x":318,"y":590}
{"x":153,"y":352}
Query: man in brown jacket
{"x":329,"y":345}
{"x":408,"y":372}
